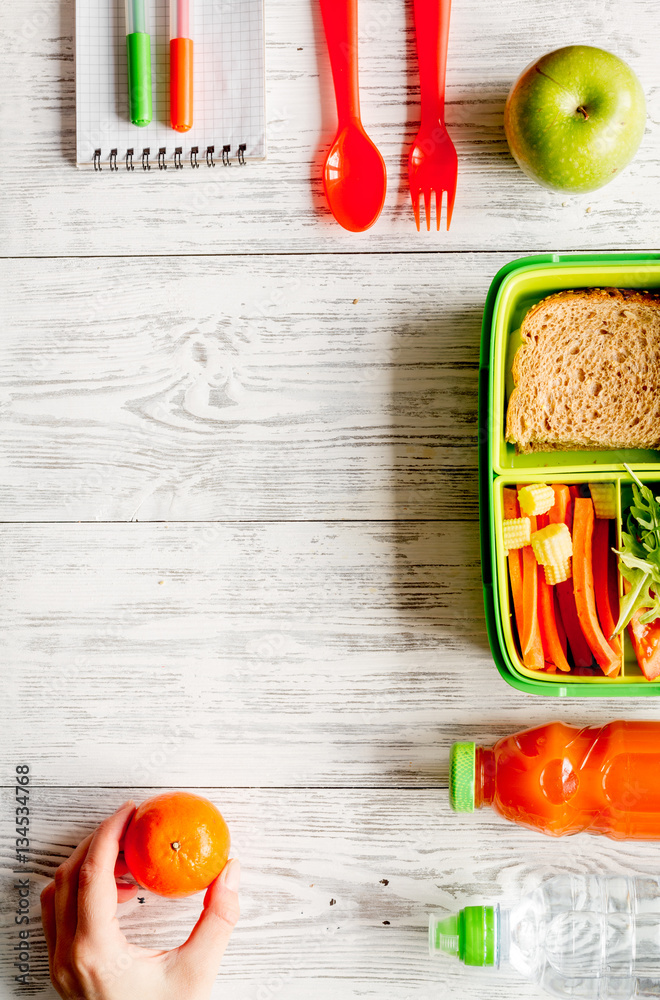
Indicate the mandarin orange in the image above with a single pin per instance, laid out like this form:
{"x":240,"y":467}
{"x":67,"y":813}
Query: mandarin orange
{"x":176,"y":844}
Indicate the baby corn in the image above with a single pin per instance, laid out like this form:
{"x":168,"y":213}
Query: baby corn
{"x":604,"y":499}
{"x":553,"y":549}
{"x":557,"y":573}
{"x":536,"y":499}
{"x":516,"y":532}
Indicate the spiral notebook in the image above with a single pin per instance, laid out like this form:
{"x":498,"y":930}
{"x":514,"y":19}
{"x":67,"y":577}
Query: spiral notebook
{"x":229,"y":88}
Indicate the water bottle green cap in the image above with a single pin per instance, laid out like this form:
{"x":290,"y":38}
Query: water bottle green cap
{"x":443,"y":935}
{"x":468,"y":935}
{"x":461,"y":777}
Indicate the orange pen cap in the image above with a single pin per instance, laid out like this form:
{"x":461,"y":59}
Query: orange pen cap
{"x":181,"y":84}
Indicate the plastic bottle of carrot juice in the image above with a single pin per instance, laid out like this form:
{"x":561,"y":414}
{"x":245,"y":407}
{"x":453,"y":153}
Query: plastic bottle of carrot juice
{"x":561,"y":780}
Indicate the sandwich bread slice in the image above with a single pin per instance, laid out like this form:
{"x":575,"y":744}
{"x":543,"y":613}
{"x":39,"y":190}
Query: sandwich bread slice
{"x":587,"y":375}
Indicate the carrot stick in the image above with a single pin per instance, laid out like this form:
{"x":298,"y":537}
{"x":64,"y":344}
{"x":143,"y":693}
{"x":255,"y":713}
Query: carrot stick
{"x":561,"y":631}
{"x":557,"y":514}
{"x":563,"y":511}
{"x":582,"y":655}
{"x":613,"y":580}
{"x":511,"y":510}
{"x":510,"y":504}
{"x":583,"y":587}
{"x":552,"y":649}
{"x":601,"y":562}
{"x":548,"y":626}
{"x":530,"y":637}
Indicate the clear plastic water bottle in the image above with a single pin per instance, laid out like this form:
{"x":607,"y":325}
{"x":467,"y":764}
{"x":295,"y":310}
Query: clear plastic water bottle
{"x":596,"y":937}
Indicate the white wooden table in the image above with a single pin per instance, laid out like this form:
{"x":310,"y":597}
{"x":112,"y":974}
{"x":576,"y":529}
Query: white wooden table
{"x":239,"y":495}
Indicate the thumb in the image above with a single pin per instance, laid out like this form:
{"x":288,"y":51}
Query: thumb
{"x":210,"y":935}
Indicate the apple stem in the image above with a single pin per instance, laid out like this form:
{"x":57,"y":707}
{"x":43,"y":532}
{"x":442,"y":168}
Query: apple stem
{"x":583,"y":111}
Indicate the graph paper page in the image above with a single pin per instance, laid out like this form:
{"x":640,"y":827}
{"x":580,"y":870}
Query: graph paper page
{"x":229,"y":103}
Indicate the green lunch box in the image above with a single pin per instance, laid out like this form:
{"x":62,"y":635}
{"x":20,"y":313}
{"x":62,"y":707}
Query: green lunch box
{"x":514,"y":290}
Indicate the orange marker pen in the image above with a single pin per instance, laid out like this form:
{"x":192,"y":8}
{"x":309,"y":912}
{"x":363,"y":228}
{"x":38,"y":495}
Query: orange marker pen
{"x":181,"y":65}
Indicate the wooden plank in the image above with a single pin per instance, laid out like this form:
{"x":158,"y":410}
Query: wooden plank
{"x":268,"y":387}
{"x":317,"y":915}
{"x":50,"y":208}
{"x":253,"y":654}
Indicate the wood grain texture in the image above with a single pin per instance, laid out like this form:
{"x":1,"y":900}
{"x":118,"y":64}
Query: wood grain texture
{"x":317,"y":916}
{"x":296,"y":628}
{"x":50,"y":208}
{"x":294,"y":386}
{"x":256,"y":654}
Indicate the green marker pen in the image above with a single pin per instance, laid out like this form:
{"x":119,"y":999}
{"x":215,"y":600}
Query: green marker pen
{"x":138,"y":48}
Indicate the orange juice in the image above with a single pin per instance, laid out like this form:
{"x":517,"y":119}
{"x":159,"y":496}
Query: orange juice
{"x":560,"y":779}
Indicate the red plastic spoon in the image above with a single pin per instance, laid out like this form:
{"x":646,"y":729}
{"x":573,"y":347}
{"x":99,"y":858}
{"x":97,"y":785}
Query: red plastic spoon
{"x":354,"y":178}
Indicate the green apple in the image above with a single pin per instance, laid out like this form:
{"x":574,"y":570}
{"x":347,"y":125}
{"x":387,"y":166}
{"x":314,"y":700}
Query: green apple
{"x":575,"y":118}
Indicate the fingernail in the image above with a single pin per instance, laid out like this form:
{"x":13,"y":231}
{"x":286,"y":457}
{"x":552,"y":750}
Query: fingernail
{"x":231,"y":874}
{"x":125,"y":805}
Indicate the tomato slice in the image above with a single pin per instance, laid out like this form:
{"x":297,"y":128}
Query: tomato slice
{"x":646,"y":643}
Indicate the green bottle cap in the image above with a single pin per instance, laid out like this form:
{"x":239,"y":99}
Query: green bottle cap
{"x":469,"y":935}
{"x":138,"y":49}
{"x":443,"y":935}
{"x":462,"y":772}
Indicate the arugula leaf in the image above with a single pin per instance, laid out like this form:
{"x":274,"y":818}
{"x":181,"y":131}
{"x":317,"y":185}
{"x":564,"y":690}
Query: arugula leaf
{"x":629,"y":602}
{"x":639,"y":557}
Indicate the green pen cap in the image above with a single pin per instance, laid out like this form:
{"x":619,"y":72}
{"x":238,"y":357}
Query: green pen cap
{"x":138,"y":49}
{"x":469,"y":935}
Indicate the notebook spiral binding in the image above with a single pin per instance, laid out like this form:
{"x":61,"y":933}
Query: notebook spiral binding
{"x":196,"y":156}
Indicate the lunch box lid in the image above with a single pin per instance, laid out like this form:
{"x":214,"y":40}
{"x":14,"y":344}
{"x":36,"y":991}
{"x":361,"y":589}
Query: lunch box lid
{"x":594,"y":688}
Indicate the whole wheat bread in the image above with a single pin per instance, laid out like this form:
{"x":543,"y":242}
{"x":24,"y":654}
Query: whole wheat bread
{"x":588,"y":372}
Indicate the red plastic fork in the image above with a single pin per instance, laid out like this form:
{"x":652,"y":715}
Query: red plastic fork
{"x":432,"y":163}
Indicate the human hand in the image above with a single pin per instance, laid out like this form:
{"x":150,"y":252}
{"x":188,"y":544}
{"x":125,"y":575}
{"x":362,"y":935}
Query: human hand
{"x":89,"y":957}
